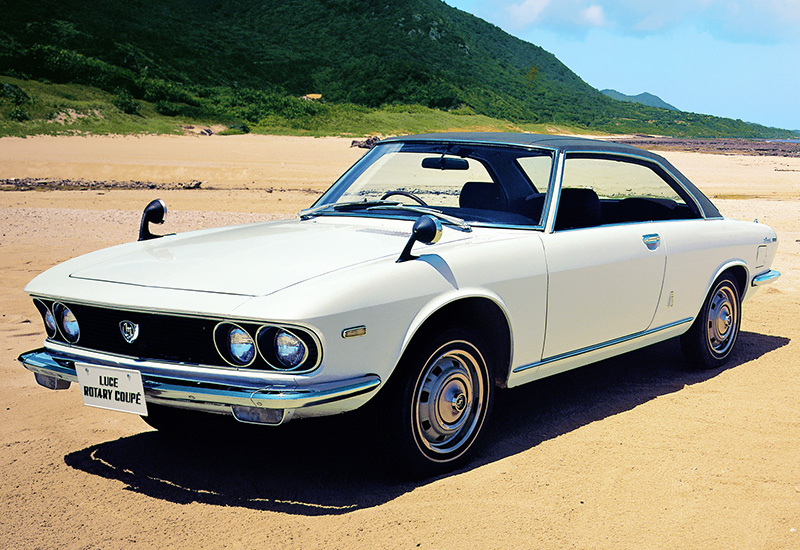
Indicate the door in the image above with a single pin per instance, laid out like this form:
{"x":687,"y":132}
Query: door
{"x":603,"y":283}
{"x":606,"y":257}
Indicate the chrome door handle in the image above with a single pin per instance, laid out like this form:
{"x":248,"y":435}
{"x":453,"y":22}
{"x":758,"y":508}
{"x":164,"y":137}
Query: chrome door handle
{"x":652,"y":239}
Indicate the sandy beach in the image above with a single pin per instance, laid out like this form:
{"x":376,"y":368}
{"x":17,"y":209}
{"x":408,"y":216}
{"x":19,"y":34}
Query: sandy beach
{"x":636,"y":452}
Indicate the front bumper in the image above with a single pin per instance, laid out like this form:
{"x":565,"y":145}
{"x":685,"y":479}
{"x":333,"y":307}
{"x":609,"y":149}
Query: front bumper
{"x":209,"y":389}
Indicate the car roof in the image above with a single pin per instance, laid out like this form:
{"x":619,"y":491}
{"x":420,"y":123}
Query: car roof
{"x":564,"y":143}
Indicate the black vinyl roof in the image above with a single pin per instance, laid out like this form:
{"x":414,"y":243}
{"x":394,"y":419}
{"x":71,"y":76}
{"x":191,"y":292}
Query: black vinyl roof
{"x":568,"y":144}
{"x":565,"y":143}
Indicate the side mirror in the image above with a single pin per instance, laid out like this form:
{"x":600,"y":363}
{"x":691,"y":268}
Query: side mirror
{"x":155,"y":212}
{"x":427,"y":230}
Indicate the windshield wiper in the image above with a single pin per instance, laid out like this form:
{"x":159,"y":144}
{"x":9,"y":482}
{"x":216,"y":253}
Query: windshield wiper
{"x":344,"y":206}
{"x":459,"y":224}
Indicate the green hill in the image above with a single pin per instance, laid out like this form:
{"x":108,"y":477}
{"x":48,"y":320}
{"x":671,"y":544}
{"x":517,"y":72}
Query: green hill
{"x":249,"y":60}
{"x":643,"y":98}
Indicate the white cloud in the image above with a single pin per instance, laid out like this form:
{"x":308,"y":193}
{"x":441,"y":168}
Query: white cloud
{"x":594,"y":16}
{"x":527,"y":12}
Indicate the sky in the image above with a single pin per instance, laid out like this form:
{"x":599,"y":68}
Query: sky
{"x":737,"y":59}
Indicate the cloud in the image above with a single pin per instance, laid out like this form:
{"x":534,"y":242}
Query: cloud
{"x":528,"y":12}
{"x":594,"y":16}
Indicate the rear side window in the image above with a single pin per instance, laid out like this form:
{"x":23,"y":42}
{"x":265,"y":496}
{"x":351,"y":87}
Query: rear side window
{"x":603,"y":191}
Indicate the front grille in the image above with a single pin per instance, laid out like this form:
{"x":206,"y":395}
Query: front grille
{"x":163,"y":336}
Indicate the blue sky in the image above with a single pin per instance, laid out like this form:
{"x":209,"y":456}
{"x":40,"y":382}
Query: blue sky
{"x":732,"y":58}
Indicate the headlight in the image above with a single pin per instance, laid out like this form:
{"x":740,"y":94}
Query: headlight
{"x":67,"y":323}
{"x":49,"y":319}
{"x":290,"y":350}
{"x":50,"y":323}
{"x":241,"y":346}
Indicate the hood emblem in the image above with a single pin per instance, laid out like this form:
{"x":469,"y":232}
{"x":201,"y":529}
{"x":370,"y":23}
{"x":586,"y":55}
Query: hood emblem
{"x":129,"y":330}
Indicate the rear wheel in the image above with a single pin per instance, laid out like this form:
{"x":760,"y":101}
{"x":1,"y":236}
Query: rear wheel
{"x":441,"y":402}
{"x":710,"y":341}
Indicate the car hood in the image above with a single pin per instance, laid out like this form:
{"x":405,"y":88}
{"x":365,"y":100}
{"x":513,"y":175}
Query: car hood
{"x":251,"y":260}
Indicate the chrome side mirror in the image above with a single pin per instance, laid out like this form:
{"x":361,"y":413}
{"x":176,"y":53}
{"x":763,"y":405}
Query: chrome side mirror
{"x":427,"y":230}
{"x":155,"y":212}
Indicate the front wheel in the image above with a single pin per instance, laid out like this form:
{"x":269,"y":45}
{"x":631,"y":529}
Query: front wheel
{"x":709,"y":342}
{"x":441,"y":402}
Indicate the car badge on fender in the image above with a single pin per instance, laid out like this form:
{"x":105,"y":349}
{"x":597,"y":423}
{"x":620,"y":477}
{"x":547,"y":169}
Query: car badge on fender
{"x":129,"y":330}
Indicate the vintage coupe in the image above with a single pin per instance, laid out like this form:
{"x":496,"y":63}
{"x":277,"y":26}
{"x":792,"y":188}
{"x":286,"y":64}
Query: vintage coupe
{"x":435,"y":270}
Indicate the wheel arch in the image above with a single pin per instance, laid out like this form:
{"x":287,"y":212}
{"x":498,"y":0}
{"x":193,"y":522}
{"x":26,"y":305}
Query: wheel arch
{"x":484,"y":315}
{"x":738,"y":271}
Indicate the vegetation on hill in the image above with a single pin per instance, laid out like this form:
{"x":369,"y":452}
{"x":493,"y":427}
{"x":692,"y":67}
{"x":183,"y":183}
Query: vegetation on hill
{"x":643,"y":98}
{"x":247,"y":62}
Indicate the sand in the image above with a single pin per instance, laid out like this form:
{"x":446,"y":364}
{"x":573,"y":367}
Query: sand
{"x":636,"y":452}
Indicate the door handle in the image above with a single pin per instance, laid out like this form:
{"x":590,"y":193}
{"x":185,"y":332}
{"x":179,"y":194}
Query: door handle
{"x":651,"y":240}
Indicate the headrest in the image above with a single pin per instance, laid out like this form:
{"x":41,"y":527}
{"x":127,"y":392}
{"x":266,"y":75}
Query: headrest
{"x":578,"y":207}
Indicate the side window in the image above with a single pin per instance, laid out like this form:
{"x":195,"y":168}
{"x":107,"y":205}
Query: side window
{"x":601,"y":191}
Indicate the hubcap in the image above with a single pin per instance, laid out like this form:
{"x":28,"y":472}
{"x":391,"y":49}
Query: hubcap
{"x":722,"y":320}
{"x":449,"y":401}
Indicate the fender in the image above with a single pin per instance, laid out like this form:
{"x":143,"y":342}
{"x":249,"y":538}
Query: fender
{"x":444,"y":300}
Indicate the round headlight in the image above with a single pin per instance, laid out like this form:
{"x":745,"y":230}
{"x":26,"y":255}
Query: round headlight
{"x":290,"y":350}
{"x":241,"y":346}
{"x":68,"y":323}
{"x":50,"y":323}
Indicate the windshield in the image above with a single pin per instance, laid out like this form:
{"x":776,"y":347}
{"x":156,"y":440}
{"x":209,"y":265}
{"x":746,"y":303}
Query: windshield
{"x":477,"y":183}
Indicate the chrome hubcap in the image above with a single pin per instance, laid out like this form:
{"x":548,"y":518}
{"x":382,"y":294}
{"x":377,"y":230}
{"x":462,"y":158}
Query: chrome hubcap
{"x":449,"y":401}
{"x":722,"y":320}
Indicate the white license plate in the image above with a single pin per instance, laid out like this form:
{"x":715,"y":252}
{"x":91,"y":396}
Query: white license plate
{"x":112,"y":388}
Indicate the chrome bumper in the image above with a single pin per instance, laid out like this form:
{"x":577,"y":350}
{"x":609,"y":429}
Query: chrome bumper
{"x":766,"y":277}
{"x":195,"y":387}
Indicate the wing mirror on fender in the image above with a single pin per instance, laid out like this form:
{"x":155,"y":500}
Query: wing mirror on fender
{"x":427,"y":229}
{"x":155,"y":212}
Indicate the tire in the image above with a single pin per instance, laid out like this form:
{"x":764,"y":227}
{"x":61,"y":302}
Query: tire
{"x":710,"y":340}
{"x":439,"y":403}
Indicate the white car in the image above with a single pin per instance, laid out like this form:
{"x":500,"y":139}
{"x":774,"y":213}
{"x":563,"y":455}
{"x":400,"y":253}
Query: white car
{"x":435,"y":270}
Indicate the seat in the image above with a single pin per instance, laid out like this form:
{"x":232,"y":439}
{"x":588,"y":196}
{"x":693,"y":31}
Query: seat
{"x":483,"y":196}
{"x":578,"y":207}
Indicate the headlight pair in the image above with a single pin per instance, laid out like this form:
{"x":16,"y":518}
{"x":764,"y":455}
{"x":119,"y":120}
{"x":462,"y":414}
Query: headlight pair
{"x":279,"y":347}
{"x":59,"y":320}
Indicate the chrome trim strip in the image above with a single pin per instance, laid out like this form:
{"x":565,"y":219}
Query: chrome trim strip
{"x":177,"y":384}
{"x":596,"y":347}
{"x":766,"y":277}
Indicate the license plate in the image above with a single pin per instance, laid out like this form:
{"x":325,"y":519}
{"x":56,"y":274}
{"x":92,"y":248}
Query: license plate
{"x":112,"y":388}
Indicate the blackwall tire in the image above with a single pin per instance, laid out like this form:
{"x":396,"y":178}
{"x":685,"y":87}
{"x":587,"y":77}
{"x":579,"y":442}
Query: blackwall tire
{"x":710,"y":341}
{"x":441,"y":402}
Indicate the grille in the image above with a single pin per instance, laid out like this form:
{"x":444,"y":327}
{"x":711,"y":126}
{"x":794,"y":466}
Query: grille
{"x":165,"y":337}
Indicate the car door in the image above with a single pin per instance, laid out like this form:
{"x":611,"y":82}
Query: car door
{"x":604,"y":283}
{"x":606,"y":258}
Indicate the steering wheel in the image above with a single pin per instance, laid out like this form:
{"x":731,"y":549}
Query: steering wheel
{"x":404,"y":194}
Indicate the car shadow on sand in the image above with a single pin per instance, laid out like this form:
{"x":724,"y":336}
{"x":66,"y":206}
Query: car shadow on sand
{"x":334,"y":465}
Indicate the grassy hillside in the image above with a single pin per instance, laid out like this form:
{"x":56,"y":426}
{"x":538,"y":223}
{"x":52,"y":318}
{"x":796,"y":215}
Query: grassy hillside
{"x":248,"y":61}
